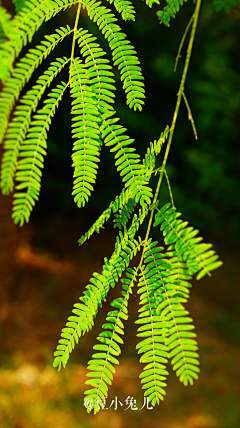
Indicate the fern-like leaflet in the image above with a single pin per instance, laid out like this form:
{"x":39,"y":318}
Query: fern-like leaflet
{"x":33,"y":151}
{"x":153,"y":347}
{"x":153,"y":151}
{"x":100,"y":365}
{"x":23,"y":71}
{"x":99,"y":71}
{"x":18,"y":127}
{"x":125,"y":7}
{"x":197,"y":256}
{"x":170,"y":295}
{"x":125,"y":213}
{"x":25,"y":24}
{"x":169,"y":11}
{"x":122,"y":51}
{"x":126,"y":248}
{"x":86,"y":129}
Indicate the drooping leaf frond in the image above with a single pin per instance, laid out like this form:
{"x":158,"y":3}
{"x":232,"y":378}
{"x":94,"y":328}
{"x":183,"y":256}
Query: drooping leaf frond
{"x":126,"y":248}
{"x":125,"y":212}
{"x":125,"y":7}
{"x":114,"y":206}
{"x":153,"y":347}
{"x":33,"y":151}
{"x":169,"y":11}
{"x":23,"y":72}
{"x":124,"y":55}
{"x":27,"y":22}
{"x":167,"y":277}
{"x":101,"y":77}
{"x":178,"y":276}
{"x":18,"y":127}
{"x":166,"y":329}
{"x":126,"y":159}
{"x":100,"y":366}
{"x":153,"y":151}
{"x":197,"y":255}
{"x":86,"y":130}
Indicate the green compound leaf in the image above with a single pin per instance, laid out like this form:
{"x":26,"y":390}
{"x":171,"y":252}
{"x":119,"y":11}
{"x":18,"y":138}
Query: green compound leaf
{"x":85,"y":128}
{"x":169,"y":11}
{"x":124,"y":55}
{"x":33,"y":149}
{"x":26,"y":23}
{"x":23,"y":71}
{"x":183,"y":239}
{"x":126,"y":248}
{"x":19,"y":126}
{"x":100,"y":368}
{"x":153,"y":347}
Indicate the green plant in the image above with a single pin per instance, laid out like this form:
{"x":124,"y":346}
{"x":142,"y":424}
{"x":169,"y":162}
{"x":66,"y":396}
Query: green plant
{"x":163,"y":274}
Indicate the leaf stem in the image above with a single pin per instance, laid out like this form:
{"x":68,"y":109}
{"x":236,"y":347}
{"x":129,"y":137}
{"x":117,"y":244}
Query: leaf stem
{"x":181,"y":44}
{"x":75,"y":30}
{"x":169,"y":188}
{"x":190,"y":116}
{"x":175,"y":115}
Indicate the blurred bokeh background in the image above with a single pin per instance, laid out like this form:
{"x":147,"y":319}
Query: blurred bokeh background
{"x":43,"y":271}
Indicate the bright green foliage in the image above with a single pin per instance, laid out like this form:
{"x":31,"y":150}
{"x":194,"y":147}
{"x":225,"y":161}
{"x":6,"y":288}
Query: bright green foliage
{"x":124,"y":55}
{"x":153,"y":348}
{"x":100,"y":365}
{"x":125,"y":7}
{"x":151,"y":2}
{"x":153,"y":151}
{"x":169,"y":11}
{"x":114,"y":206}
{"x":126,"y":160}
{"x":23,"y":72}
{"x":183,"y":240}
{"x":171,"y":293}
{"x":32,"y":150}
{"x":99,"y":70}
{"x":19,"y":126}
{"x":126,"y":248}
{"x":86,"y":129}
{"x":26,"y":23}
{"x":125,"y":212}
{"x":163,"y":274}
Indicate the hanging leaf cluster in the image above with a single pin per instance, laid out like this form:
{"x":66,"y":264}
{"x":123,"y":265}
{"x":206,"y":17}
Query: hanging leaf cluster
{"x":163,"y":275}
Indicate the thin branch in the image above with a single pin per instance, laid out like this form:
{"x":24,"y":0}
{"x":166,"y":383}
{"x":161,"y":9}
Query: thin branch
{"x":75,"y":30}
{"x":190,"y":116}
{"x":182,"y":41}
{"x":175,"y":115}
{"x":169,"y":188}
